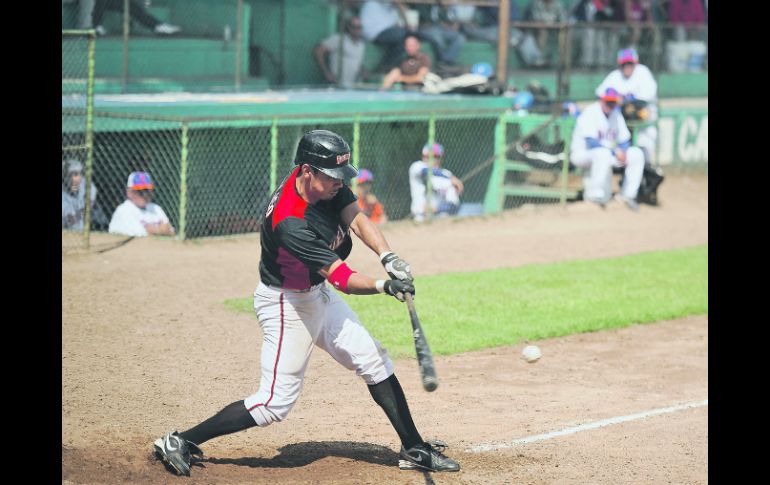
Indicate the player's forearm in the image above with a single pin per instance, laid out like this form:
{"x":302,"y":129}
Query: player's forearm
{"x":369,"y":233}
{"x":360,"y":284}
{"x":347,"y":280}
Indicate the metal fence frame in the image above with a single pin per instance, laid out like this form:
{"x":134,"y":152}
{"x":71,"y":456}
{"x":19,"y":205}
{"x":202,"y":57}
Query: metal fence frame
{"x":88,"y":144}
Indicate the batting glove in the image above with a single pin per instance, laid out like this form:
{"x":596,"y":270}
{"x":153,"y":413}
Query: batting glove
{"x":396,"y":288}
{"x":397,"y":268}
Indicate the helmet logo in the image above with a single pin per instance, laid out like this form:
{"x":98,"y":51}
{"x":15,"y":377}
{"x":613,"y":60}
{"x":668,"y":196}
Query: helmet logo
{"x":343,"y":158}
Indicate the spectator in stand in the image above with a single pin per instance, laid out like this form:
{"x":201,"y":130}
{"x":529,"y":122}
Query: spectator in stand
{"x":689,"y":15}
{"x":369,"y":204}
{"x":548,"y":12}
{"x":597,"y":43}
{"x":413,"y":69}
{"x":346,"y":55}
{"x":639,"y":15}
{"x":92,"y":11}
{"x":481,"y":23}
{"x":137,"y":215}
{"x":73,"y":196}
{"x":442,"y":32}
{"x":381,"y":25}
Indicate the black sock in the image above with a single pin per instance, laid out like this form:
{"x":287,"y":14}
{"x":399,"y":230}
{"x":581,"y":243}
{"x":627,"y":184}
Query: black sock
{"x":389,"y":395}
{"x":234,"y":417}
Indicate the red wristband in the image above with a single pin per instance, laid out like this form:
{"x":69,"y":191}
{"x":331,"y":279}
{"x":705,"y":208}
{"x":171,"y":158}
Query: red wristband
{"x":340,"y":276}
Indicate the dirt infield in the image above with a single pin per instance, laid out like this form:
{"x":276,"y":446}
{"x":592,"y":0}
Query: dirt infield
{"x":147,"y":347}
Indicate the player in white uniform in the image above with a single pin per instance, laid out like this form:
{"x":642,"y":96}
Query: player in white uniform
{"x":137,"y":215}
{"x":635,"y":81}
{"x":305,"y":238}
{"x":600,"y":141}
{"x":445,"y":187}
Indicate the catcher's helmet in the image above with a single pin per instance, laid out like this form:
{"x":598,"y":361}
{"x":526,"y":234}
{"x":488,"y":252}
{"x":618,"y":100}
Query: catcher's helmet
{"x":326,"y":151}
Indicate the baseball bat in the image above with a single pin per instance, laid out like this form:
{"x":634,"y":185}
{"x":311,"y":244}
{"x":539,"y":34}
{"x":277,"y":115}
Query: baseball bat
{"x":424,"y":355}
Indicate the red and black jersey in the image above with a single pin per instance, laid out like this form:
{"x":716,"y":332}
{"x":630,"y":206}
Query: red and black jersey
{"x":298,"y":238}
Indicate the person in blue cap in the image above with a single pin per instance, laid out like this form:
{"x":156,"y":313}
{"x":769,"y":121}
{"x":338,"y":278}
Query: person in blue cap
{"x":138,"y":215}
{"x":601,"y":141}
{"x":635,"y":83}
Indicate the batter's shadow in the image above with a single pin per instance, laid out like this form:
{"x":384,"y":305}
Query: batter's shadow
{"x":301,"y":454}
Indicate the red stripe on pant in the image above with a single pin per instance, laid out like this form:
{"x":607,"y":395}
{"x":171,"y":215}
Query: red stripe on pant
{"x":275,"y":368}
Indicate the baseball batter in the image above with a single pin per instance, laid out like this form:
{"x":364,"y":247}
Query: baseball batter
{"x":635,"y":81}
{"x":305,"y":238}
{"x":600,"y":141}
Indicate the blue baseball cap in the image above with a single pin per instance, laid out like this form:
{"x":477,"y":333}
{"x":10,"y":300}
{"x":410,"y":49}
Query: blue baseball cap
{"x":139,"y":181}
{"x":364,"y":176}
{"x":611,"y":95}
{"x":627,"y":55}
{"x":438,"y":149}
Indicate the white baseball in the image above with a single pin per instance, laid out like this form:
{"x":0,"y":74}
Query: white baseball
{"x":531,"y":353}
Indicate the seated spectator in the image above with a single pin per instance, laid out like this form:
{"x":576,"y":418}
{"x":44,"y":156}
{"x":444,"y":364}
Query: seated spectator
{"x":136,"y":10}
{"x":367,"y":201}
{"x":481,"y":23}
{"x":137,"y":215}
{"x":445,"y":187}
{"x":639,"y":14}
{"x":380,"y":21}
{"x":413,"y":69}
{"x":442,"y":33}
{"x":601,"y":141}
{"x":73,"y":196}
{"x":548,"y":12}
{"x":348,"y":64}
{"x":596,"y":43}
{"x":689,"y":15}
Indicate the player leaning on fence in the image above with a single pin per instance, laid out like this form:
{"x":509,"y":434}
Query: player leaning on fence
{"x":305,"y":238}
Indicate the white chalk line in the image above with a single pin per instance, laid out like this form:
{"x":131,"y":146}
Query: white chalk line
{"x":587,"y":426}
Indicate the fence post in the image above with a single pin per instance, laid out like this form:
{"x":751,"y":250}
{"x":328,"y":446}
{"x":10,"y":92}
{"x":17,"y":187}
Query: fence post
{"x":238,"y":46}
{"x":89,"y":138}
{"x":503,"y":36}
{"x":273,"y":154}
{"x":567,"y":134}
{"x":429,"y":178}
{"x":492,"y":200}
{"x":183,"y":183}
{"x":126,"y":24}
{"x":356,"y":138}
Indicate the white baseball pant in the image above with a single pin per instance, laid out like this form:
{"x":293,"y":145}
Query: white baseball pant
{"x":597,"y":182}
{"x":292,"y":322}
{"x":647,"y":140}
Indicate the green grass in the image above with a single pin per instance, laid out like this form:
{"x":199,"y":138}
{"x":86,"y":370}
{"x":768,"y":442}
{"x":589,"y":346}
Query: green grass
{"x":470,"y":311}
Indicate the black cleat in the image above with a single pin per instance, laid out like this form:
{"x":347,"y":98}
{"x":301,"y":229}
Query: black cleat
{"x":426,"y":456}
{"x":176,"y":452}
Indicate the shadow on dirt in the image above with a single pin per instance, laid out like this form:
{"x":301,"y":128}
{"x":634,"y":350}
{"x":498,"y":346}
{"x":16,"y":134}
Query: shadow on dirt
{"x":301,"y":454}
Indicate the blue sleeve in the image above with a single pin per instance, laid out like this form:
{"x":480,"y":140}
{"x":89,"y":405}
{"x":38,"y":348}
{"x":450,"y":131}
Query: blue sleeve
{"x":625,"y":145}
{"x":592,"y":143}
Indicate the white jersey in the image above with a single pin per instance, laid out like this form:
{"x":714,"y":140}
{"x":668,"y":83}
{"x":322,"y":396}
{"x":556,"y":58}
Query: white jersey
{"x":376,"y":16}
{"x":444,"y":195}
{"x":609,"y":131}
{"x":129,"y":219}
{"x":352,"y":57}
{"x":641,"y":84}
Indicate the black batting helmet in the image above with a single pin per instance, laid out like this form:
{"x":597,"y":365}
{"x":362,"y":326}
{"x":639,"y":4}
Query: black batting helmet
{"x":326,"y":151}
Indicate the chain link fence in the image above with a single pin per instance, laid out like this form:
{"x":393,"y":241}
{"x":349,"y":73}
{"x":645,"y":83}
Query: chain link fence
{"x":77,"y":142}
{"x":213,"y":177}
